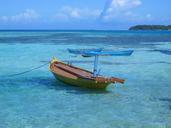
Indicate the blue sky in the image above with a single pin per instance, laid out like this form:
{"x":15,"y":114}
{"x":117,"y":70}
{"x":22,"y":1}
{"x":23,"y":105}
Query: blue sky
{"x":82,"y":14}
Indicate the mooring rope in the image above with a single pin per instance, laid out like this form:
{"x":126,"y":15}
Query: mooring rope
{"x":30,"y":70}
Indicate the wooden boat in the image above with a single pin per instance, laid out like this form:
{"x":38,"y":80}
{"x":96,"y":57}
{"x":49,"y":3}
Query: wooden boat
{"x":80,"y":77}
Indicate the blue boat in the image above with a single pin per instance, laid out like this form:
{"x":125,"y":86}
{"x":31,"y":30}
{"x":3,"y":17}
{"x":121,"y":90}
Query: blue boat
{"x":82,"y":51}
{"x":109,"y":53}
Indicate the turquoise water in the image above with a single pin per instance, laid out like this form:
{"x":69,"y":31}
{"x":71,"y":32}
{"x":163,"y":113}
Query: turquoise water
{"x":38,"y":100}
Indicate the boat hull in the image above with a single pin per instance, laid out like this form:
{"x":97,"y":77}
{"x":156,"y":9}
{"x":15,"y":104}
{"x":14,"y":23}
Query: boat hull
{"x":80,"y":82}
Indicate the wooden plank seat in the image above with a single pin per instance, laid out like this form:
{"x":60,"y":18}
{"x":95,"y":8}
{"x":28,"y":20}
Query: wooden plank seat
{"x":74,"y":71}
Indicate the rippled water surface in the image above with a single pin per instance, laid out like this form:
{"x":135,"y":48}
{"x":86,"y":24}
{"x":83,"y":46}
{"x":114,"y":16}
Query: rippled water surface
{"x":38,"y":100}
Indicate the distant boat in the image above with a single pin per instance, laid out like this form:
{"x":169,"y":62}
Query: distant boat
{"x":100,"y":51}
{"x":82,"y":51}
{"x":83,"y":78}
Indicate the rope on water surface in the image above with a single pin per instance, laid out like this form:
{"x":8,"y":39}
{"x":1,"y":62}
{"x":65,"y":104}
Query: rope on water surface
{"x":30,"y":70}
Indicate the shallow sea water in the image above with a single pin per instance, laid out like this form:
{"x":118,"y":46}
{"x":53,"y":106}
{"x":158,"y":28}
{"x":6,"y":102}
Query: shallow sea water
{"x":38,"y":100}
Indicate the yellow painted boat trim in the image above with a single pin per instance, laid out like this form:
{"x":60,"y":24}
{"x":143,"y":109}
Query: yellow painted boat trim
{"x":82,"y":82}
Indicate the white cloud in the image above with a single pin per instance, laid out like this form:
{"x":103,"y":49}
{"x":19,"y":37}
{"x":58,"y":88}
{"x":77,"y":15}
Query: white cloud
{"x":4,"y":18}
{"x":70,"y":13}
{"x":118,"y":8}
{"x":124,"y":4}
{"x":148,"y":16}
{"x":27,"y":16}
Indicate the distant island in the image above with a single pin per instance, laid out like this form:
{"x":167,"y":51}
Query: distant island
{"x":151,"y":27}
